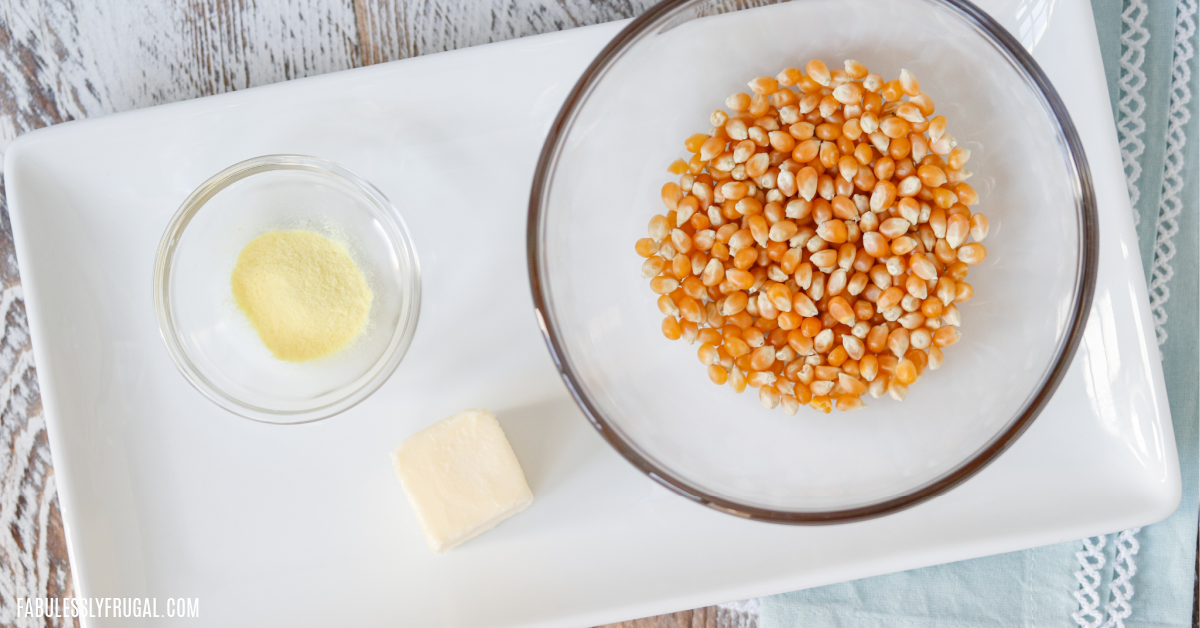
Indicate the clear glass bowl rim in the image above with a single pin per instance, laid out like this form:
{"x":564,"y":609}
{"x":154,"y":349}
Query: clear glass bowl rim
{"x":1086,"y":269}
{"x":380,"y":207}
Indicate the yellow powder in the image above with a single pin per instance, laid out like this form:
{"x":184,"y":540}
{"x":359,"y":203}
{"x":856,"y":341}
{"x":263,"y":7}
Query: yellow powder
{"x":302,"y":293}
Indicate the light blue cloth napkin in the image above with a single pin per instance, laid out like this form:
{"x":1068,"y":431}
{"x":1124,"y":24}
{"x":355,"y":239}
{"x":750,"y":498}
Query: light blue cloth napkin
{"x":1038,"y":587}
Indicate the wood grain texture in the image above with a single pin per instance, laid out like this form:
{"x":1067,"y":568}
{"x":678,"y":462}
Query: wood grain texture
{"x":733,"y":615}
{"x":33,"y":553}
{"x":65,"y":60}
{"x":390,"y":30}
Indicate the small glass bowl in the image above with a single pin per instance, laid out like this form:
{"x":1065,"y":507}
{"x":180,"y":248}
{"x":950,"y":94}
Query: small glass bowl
{"x":211,"y":340}
{"x":598,"y":183}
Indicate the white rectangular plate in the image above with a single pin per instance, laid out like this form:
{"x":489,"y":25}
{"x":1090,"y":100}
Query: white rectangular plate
{"x":165,"y":495}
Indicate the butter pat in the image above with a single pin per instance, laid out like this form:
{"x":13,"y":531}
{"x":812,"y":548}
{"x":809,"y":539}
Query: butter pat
{"x":461,"y":477}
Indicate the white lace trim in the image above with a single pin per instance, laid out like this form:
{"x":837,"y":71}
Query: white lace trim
{"x":1121,"y":587}
{"x":1171,"y":204}
{"x":1092,"y":560}
{"x":1131,"y":106}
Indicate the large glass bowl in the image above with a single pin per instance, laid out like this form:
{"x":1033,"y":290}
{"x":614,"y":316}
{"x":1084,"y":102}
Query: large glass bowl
{"x":597,"y":184}
{"x":213,"y":343}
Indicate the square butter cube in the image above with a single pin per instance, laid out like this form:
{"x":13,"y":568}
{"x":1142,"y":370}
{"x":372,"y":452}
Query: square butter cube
{"x":461,"y":477}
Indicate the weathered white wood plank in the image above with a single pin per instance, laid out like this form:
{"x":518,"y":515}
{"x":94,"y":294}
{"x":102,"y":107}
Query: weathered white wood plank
{"x":33,"y":558}
{"x":725,"y":616}
{"x":390,"y":30}
{"x":67,"y":59}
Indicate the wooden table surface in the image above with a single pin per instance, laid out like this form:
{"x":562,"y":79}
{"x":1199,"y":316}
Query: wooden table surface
{"x":66,"y":60}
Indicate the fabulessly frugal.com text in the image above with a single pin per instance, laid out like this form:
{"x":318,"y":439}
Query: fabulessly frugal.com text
{"x":124,"y":607}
